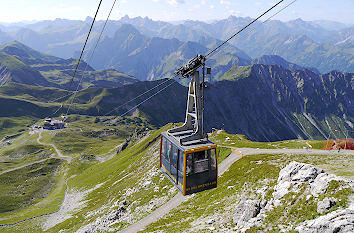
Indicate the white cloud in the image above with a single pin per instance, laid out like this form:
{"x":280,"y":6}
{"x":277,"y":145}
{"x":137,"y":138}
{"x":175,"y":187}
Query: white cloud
{"x":211,"y":6}
{"x":175,"y":2}
{"x":224,"y":2}
{"x":235,"y":13}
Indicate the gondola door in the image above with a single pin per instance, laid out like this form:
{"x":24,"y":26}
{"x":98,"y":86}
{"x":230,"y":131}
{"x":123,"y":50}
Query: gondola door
{"x":174,"y":158}
{"x":180,"y":167}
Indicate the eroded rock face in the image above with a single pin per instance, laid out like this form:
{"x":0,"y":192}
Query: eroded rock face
{"x":248,"y":215}
{"x":322,"y":181}
{"x":294,"y":175}
{"x":339,"y":221}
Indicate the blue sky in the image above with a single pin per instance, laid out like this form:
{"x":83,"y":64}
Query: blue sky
{"x":171,"y":10}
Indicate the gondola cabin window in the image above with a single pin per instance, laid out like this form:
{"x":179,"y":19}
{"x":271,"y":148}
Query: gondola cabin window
{"x":213,"y":159}
{"x":201,"y":161}
{"x":163,"y":148}
{"x":189,"y":166}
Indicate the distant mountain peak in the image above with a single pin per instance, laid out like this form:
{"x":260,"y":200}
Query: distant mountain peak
{"x":278,"y":60}
{"x":88,"y":19}
{"x":128,"y":29}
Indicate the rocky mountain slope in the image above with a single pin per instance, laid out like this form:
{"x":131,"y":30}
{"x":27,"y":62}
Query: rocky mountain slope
{"x":21,"y":64}
{"x":154,"y":58}
{"x":264,"y":102}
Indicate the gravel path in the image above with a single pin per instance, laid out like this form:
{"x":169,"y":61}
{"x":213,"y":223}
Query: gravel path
{"x":28,"y":164}
{"x":176,"y":200}
{"x":60,"y":155}
{"x":253,"y":151}
{"x":236,"y":154}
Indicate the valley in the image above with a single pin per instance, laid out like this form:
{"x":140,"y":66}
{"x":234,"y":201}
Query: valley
{"x":80,"y":141}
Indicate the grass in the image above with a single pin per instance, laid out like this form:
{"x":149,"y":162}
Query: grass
{"x":10,"y":126}
{"x":23,"y":150}
{"x":243,"y":179}
{"x":133,"y":176}
{"x":23,"y":187}
{"x":237,"y":140}
{"x":100,"y":138}
{"x":237,"y":73}
{"x":133,"y":171}
{"x":218,"y":201}
{"x":48,"y":204}
{"x":223,"y":152}
{"x":85,"y":137}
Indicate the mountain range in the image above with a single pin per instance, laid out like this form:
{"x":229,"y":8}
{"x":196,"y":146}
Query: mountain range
{"x":323,"y":45}
{"x":268,"y":100}
{"x":22,"y":64}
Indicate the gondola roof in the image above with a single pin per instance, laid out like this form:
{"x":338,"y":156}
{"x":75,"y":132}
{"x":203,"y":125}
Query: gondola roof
{"x":199,"y":144}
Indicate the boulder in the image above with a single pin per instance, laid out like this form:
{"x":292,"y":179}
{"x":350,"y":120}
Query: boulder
{"x":326,"y":204}
{"x":292,"y":176}
{"x":245,"y":211}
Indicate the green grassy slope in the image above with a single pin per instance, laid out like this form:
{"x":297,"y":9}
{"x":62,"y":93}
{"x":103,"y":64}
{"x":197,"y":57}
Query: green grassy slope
{"x":237,"y":140}
{"x":23,"y":187}
{"x":11,"y":126}
{"x":242,"y":180}
{"x":26,"y":54}
{"x":20,"y":72}
{"x":129,"y":185}
{"x":86,"y":141}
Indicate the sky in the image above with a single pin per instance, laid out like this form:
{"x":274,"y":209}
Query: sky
{"x":174,"y":10}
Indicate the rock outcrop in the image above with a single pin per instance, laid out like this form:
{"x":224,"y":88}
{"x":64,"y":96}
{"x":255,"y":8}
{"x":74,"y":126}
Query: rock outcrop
{"x":326,"y":204}
{"x":246,"y":210}
{"x":339,"y":221}
{"x":301,"y":181}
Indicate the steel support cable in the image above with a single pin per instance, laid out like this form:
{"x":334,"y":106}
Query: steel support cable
{"x":87,"y":66}
{"x":91,"y":56}
{"x":115,"y":109}
{"x":82,"y":51}
{"x":265,"y":21}
{"x":212,"y":51}
{"x":146,"y":99}
{"x":83,"y":48}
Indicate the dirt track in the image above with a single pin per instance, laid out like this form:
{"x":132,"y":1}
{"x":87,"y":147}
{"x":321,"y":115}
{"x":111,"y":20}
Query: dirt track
{"x":236,"y":154}
{"x":177,"y":200}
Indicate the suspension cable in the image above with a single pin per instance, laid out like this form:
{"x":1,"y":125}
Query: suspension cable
{"x":267,"y":20}
{"x":90,"y":59}
{"x":212,"y":51}
{"x":154,"y":87}
{"x":146,"y":99}
{"x":78,"y":62}
{"x":83,"y":48}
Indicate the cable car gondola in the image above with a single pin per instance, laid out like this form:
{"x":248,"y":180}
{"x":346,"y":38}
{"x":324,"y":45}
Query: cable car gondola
{"x":187,"y":157}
